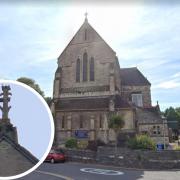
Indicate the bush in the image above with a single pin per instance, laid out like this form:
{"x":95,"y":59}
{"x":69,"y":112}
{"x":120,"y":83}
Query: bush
{"x":177,"y":148}
{"x":82,"y":144}
{"x":141,"y":142}
{"x":71,"y":143}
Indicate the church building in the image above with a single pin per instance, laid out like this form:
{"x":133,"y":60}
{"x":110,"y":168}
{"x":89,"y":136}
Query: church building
{"x":90,"y":86}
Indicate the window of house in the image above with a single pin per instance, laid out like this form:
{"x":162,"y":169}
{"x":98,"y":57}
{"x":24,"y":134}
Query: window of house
{"x":78,"y":70}
{"x":63,"y":122}
{"x":81,"y":122}
{"x":137,"y":99}
{"x":92,"y":69}
{"x":85,"y":64}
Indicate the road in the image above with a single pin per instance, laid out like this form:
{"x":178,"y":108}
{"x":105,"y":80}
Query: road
{"x":80,"y":171}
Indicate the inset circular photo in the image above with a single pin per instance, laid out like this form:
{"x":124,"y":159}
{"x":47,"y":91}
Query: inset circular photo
{"x":26,"y":129}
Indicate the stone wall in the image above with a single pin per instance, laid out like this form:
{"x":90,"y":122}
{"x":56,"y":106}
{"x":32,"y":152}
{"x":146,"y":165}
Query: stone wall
{"x":128,"y":158}
{"x":103,"y":56}
{"x":91,"y":120}
{"x":145,"y":90}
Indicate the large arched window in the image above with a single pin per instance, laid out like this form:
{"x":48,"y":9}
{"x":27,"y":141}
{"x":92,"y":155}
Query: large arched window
{"x":91,"y":69}
{"x":85,"y":64}
{"x":78,"y":70}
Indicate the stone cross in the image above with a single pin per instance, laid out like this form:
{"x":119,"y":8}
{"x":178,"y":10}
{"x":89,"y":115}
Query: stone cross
{"x":86,"y":14}
{"x":5,"y":99}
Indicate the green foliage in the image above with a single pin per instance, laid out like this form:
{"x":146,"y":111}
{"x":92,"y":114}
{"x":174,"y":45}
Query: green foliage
{"x":116,"y":123}
{"x":173,"y":120}
{"x":31,"y":83}
{"x":48,"y":100}
{"x":171,"y":114}
{"x":71,"y":143}
{"x":141,"y":142}
{"x":82,"y":144}
{"x":177,"y":148}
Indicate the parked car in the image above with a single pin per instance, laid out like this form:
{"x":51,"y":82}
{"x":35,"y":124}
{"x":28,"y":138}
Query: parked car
{"x":56,"y":156}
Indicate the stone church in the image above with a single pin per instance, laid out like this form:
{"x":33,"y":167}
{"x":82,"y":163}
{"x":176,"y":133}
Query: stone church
{"x":90,"y":86}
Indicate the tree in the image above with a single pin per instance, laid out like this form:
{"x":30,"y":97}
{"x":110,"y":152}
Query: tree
{"x":173,"y":119}
{"x":32,"y":83}
{"x":48,"y":100}
{"x":116,"y":123}
{"x":178,"y":116}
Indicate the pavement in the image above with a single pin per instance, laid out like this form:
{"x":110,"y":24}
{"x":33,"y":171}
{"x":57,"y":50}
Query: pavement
{"x":80,"y":171}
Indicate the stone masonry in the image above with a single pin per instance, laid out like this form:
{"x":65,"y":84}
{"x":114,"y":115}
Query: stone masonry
{"x":90,"y":86}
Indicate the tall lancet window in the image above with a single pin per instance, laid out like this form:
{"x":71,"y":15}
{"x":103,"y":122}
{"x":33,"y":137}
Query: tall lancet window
{"x":78,"y":70}
{"x":85,"y":64}
{"x":85,"y":34}
{"x":92,"y":69}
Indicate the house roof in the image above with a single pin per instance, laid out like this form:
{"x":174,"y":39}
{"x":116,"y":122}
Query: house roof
{"x":133,"y":77}
{"x":148,"y":115}
{"x":91,"y":103}
{"x":31,"y":158}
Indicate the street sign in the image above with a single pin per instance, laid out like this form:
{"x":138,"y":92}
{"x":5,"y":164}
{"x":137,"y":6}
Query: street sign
{"x":81,"y":134}
{"x":102,"y":171}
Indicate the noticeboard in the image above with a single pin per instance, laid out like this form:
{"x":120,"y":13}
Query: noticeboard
{"x":81,"y":134}
{"x":160,"y":147}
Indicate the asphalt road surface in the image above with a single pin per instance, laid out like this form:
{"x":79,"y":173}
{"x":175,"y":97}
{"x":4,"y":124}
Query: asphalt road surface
{"x":80,"y":171}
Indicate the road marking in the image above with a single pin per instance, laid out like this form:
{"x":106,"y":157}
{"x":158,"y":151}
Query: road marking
{"x":55,"y":175}
{"x":102,"y":171}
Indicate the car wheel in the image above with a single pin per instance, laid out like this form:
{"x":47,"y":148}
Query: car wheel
{"x":52,"y":161}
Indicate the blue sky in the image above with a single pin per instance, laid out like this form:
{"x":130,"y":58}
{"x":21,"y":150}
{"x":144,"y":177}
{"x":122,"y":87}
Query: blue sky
{"x":33,"y":35}
{"x":29,"y":115}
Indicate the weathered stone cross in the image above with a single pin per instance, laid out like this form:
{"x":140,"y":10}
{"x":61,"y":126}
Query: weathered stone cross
{"x":5,"y":99}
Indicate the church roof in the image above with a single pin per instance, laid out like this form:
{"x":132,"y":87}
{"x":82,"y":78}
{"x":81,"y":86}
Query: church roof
{"x":31,"y":158}
{"x":78,"y":37}
{"x":133,"y":77}
{"x":91,"y":103}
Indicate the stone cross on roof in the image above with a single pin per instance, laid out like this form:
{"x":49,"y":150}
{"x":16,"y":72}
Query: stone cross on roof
{"x":5,"y":100}
{"x":86,"y":14}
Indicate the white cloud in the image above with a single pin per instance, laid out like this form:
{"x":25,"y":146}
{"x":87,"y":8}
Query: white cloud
{"x":176,"y":75}
{"x":168,"y":85}
{"x":142,"y":36}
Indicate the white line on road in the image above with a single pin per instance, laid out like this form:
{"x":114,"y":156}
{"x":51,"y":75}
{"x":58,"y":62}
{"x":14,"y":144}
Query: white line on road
{"x":102,"y":171}
{"x":55,"y":175}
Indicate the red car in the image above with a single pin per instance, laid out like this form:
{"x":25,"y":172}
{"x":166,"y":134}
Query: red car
{"x":56,"y":156}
